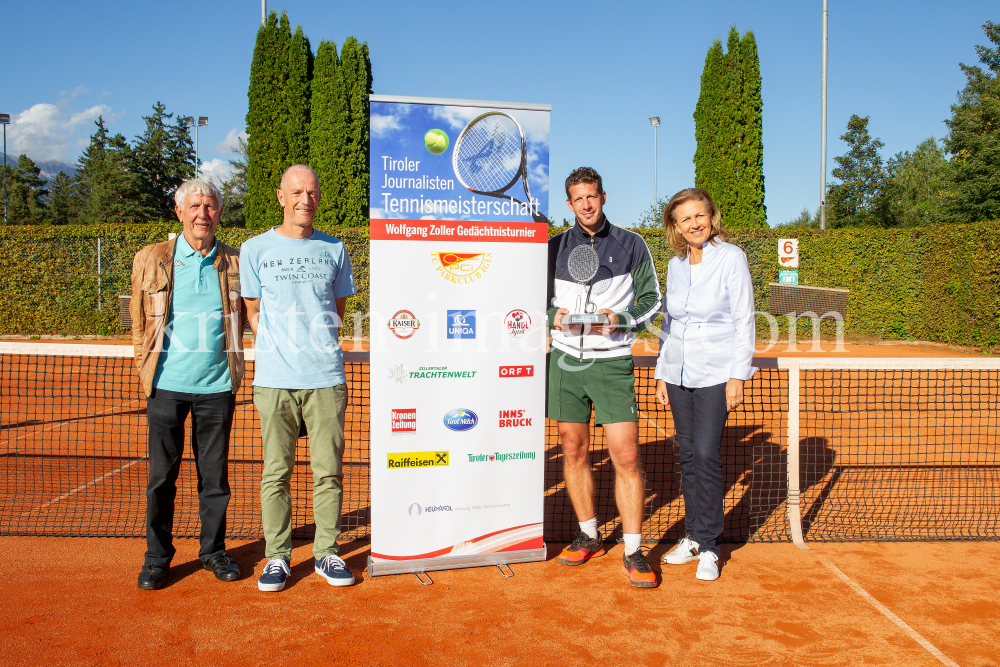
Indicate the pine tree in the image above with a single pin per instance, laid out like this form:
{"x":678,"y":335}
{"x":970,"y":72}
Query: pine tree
{"x":234,"y":188}
{"x":162,"y":158}
{"x":267,"y":147}
{"x":357,"y":74}
{"x":63,"y":202}
{"x":26,"y":193}
{"x":327,"y":131}
{"x":107,"y":185}
{"x":297,"y":99}
{"x":974,"y":137}
{"x":858,"y":200}
{"x":729,"y":131}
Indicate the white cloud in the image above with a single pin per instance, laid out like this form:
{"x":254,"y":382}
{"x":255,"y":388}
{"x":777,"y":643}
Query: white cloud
{"x":215,"y":170}
{"x":230,"y":142}
{"x":534,"y":123}
{"x":45,"y":132}
{"x":383,"y":125}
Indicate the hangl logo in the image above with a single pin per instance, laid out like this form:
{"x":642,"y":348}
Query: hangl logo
{"x":517,"y":323}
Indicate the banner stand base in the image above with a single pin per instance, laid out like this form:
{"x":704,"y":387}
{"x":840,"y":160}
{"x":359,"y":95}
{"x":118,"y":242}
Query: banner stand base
{"x":455,"y":562}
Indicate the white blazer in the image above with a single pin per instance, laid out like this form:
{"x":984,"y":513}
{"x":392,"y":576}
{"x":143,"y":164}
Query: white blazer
{"x":709,"y":327}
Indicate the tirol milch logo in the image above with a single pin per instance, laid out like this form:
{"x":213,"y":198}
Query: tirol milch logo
{"x":461,"y":419}
{"x":404,"y":420}
{"x":461,"y":267}
{"x":517,"y":371}
{"x":403,"y":324}
{"x":417,"y":460}
{"x":517,"y":323}
{"x":461,"y":324}
{"x":513,"y":419}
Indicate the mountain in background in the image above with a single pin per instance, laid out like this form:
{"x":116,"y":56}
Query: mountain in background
{"x":49,"y":169}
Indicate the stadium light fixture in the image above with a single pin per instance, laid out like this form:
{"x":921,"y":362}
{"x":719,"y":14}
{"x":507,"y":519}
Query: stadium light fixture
{"x":5,"y":121}
{"x":655,"y":122}
{"x":189,"y":121}
{"x":822,"y":150}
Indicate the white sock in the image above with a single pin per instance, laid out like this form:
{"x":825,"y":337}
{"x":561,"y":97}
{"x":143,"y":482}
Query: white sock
{"x":632,"y":541}
{"x":589,"y":527}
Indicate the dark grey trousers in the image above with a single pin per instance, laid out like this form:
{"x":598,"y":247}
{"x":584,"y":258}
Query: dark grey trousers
{"x":699,"y":417}
{"x":211,"y":422}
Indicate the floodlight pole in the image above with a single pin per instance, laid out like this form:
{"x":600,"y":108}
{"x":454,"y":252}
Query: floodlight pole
{"x":4,"y":120}
{"x":263,"y":12}
{"x":822,"y":150}
{"x":655,"y":122}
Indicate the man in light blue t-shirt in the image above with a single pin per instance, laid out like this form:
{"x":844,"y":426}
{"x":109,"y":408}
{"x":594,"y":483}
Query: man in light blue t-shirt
{"x":295,"y":282}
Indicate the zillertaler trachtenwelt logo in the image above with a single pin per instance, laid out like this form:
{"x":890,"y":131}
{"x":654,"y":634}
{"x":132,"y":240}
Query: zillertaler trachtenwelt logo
{"x":417,"y":460}
{"x":398,"y":373}
{"x":461,"y":267}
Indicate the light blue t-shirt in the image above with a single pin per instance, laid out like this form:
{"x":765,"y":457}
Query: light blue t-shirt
{"x":297,"y":282}
{"x":193,"y":359}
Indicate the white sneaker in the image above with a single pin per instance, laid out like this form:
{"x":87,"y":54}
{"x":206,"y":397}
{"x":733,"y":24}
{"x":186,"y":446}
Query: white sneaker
{"x":686,"y":551}
{"x":708,"y":566}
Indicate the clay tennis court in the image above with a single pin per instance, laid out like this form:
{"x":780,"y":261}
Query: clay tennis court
{"x":73,"y":600}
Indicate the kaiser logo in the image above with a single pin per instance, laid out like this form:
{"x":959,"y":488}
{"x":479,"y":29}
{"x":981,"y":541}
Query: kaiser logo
{"x":461,"y":324}
{"x":517,"y":371}
{"x":404,"y":420}
{"x":461,"y":419}
{"x":403,"y":324}
{"x":461,"y":267}
{"x":517,"y":323}
{"x":513,"y":419}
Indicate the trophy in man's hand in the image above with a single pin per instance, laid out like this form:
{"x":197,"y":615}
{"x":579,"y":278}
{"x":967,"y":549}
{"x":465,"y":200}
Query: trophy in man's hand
{"x":585,"y":268}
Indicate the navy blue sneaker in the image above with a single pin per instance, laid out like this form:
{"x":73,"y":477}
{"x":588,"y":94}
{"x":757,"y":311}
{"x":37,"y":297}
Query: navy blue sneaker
{"x":333,"y":569}
{"x":274,"y":575}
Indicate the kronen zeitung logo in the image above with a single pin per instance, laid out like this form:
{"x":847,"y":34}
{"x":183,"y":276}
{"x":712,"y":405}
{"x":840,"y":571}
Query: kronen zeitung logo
{"x":497,"y":457}
{"x":403,"y":324}
{"x":417,"y":460}
{"x":461,"y":267}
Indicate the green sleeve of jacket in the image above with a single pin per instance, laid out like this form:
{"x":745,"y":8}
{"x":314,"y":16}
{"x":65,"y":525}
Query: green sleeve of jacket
{"x":647,"y":298}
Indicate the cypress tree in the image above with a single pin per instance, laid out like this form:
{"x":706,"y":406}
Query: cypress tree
{"x":296,"y":99}
{"x":356,"y":68}
{"x":327,"y":131}
{"x":749,"y":209}
{"x":267,"y":147}
{"x":707,"y":121}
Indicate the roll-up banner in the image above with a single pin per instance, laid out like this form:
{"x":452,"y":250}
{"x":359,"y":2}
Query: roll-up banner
{"x":459,"y":205}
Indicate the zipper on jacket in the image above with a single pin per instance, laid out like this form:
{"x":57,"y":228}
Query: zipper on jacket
{"x":585,"y":303}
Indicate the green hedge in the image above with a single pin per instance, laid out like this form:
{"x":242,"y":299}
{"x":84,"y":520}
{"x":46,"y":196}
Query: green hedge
{"x":938,"y":283}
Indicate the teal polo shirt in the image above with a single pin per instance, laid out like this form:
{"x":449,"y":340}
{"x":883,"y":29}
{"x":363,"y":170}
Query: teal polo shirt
{"x":193,"y":359}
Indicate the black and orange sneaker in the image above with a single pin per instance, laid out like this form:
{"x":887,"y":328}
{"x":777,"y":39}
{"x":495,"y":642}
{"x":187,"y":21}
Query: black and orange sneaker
{"x":637,"y":570}
{"x":582,"y":549}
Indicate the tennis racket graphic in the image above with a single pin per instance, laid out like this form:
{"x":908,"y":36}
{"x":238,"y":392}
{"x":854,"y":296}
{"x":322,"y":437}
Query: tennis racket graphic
{"x":490,"y":155}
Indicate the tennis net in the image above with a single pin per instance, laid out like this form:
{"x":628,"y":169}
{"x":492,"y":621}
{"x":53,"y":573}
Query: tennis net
{"x":865,"y":449}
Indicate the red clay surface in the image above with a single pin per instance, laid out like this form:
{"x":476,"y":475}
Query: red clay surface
{"x":73,"y":601}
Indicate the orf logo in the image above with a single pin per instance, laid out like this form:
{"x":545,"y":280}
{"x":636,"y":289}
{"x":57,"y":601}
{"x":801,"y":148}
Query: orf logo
{"x":517,"y":323}
{"x":415,"y":510}
{"x":403,"y":324}
{"x":461,"y":419}
{"x":461,"y":267}
{"x":517,"y":371}
{"x":461,"y":324}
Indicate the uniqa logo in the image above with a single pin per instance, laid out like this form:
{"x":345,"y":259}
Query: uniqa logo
{"x":461,"y":419}
{"x":461,"y":267}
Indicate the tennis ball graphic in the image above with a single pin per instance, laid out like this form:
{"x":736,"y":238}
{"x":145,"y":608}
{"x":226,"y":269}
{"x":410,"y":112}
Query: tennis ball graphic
{"x":436,"y":141}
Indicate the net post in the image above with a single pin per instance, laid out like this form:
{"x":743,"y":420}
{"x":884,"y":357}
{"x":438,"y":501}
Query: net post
{"x":794,"y":512}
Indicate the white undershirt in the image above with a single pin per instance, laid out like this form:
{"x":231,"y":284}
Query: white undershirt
{"x":695,"y":269}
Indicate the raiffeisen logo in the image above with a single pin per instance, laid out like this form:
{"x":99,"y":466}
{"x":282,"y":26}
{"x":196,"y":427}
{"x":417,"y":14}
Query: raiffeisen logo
{"x":461,"y":268}
{"x":513,"y":418}
{"x":461,"y":324}
{"x":497,"y":457}
{"x":417,"y":460}
{"x":461,"y":419}
{"x":517,"y":371}
{"x":517,"y":323}
{"x":403,"y":324}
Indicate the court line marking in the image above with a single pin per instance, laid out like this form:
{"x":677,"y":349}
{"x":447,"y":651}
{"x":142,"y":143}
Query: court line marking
{"x":916,"y":636}
{"x":71,"y":419}
{"x":82,"y":487}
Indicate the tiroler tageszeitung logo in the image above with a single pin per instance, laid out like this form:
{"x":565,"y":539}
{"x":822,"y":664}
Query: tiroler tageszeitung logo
{"x":461,"y":268}
{"x":403,"y":324}
{"x":499,"y":457}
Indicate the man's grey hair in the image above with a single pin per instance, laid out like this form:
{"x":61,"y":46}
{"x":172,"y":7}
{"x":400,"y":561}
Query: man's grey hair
{"x":198,"y":186}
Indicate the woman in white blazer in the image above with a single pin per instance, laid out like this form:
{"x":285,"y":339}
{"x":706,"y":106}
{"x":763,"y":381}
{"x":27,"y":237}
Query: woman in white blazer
{"x":706,"y":352}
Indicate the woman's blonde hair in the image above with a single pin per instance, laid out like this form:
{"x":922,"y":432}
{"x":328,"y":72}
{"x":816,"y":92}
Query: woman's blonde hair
{"x":674,"y":237}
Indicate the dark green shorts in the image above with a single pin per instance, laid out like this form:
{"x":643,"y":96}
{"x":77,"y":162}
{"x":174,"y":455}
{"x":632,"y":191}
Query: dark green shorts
{"x":606,"y":384}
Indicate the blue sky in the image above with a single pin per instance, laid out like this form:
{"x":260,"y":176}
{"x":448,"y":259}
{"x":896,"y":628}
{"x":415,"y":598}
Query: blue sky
{"x":604,"y":68}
